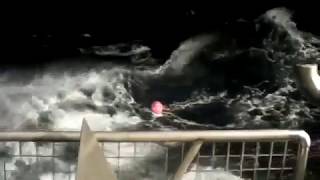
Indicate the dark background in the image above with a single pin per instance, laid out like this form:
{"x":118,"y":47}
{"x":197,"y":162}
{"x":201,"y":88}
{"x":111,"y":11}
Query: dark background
{"x":36,"y":33}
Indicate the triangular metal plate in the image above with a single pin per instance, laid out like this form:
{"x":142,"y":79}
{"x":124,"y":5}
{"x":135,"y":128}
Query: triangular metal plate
{"x":92,"y":164}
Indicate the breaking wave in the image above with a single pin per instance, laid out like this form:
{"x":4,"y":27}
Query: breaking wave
{"x":212,"y":81}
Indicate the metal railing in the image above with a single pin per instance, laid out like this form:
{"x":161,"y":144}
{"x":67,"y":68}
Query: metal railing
{"x":252,"y":154}
{"x":308,"y":81}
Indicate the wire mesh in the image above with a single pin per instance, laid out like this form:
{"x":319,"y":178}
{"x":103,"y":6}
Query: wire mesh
{"x":263,"y":160}
{"x":244,"y":159}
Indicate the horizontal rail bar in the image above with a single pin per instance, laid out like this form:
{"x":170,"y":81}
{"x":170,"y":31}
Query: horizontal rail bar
{"x":164,"y":136}
{"x":247,"y":169}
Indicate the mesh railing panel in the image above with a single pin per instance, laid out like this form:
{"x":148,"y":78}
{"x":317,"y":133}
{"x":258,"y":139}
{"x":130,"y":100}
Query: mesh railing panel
{"x":133,"y":160}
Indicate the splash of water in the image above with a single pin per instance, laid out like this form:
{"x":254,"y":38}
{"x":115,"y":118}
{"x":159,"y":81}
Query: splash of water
{"x":61,"y":101}
{"x":205,"y":77}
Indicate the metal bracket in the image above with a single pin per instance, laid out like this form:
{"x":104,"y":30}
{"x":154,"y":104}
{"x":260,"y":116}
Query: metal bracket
{"x":91,"y":161}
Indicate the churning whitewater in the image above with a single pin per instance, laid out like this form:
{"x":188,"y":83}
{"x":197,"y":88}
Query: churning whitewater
{"x":212,"y":81}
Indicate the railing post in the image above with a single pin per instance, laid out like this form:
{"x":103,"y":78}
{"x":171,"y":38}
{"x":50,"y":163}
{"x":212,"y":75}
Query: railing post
{"x":193,"y":151}
{"x":301,"y":162}
{"x":302,"y":155}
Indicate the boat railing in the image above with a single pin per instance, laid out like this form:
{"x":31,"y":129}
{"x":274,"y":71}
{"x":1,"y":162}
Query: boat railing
{"x":249,"y":154}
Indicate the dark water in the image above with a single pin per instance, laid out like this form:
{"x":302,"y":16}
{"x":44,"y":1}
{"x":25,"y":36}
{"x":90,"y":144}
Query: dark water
{"x":221,"y":80}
